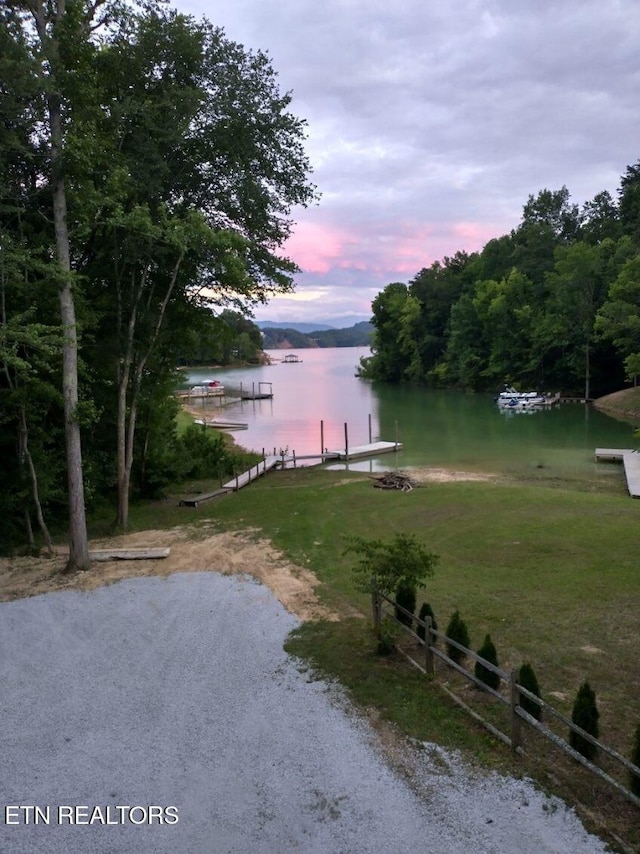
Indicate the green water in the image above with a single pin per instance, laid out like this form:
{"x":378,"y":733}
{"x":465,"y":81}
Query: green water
{"x":318,"y":396}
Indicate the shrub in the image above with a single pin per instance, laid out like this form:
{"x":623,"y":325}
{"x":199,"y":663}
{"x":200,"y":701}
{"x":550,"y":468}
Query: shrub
{"x":386,"y":564}
{"x":634,"y":779}
{"x":386,"y":637}
{"x":406,"y":597}
{"x":527,"y":678}
{"x":488,"y":652}
{"x":585,"y":714}
{"x":426,"y":611}
{"x":457,"y":631}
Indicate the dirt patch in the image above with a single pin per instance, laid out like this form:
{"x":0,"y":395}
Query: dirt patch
{"x":430,"y":474}
{"x":192,"y":550}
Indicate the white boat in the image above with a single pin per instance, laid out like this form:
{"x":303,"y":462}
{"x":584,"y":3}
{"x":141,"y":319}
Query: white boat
{"x":514,"y":399}
{"x":208,"y":389}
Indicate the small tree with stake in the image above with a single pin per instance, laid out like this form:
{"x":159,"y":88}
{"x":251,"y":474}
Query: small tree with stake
{"x":385,"y":567}
{"x":585,"y":714}
{"x":386,"y":564}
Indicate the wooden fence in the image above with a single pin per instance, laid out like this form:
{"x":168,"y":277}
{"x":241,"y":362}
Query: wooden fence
{"x":509,"y":699}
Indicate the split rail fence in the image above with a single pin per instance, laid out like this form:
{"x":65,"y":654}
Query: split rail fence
{"x":384,"y":606}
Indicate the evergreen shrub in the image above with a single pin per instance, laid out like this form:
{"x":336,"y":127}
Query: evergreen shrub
{"x":457,"y":631}
{"x":527,"y":678}
{"x":426,"y":611}
{"x":585,"y":714}
{"x":489,"y":653}
{"x":406,"y":597}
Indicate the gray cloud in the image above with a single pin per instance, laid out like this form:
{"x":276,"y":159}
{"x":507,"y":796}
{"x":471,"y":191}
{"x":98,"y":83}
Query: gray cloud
{"x":440,"y":119}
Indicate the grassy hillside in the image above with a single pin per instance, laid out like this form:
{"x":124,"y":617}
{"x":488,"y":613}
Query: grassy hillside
{"x":623,"y":404}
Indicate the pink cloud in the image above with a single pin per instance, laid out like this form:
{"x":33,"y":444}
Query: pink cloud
{"x":390,"y":249}
{"x":316,"y":247}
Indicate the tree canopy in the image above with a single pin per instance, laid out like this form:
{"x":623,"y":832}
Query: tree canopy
{"x":149,"y":167}
{"x":553,"y":304}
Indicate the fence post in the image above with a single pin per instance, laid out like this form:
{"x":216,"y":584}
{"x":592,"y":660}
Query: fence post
{"x":428,"y":651}
{"x":375,"y":607}
{"x":515,"y":717}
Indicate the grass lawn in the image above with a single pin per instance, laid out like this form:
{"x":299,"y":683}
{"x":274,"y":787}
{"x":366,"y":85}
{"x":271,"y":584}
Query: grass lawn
{"x":553,"y":574}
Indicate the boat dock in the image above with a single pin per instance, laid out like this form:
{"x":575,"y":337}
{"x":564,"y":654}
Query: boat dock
{"x":630,"y":459}
{"x":274,"y":461}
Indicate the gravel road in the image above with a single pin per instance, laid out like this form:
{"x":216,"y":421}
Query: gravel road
{"x":175,"y":692}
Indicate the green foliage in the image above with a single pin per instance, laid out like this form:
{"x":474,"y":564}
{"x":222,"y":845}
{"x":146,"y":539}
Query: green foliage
{"x":426,"y":611}
{"x":527,"y":678}
{"x":489,"y":653}
{"x":524,"y":309}
{"x":634,"y":779}
{"x":585,"y":714}
{"x":386,"y":564}
{"x":405,"y":597}
{"x":386,"y":637}
{"x":457,"y":631}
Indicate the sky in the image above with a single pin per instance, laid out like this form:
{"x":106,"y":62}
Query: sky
{"x":431,"y":122}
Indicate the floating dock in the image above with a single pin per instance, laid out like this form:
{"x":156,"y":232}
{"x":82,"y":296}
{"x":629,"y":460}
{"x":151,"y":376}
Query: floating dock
{"x":370,"y":450}
{"x":631,"y":462}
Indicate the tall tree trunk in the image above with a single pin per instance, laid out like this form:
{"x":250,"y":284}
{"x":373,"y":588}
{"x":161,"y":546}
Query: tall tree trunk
{"x":78,"y":541}
{"x":127,"y":419}
{"x":25,"y":454}
{"x":587,"y":371}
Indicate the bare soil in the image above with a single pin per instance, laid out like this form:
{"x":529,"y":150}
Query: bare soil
{"x":193,"y":549}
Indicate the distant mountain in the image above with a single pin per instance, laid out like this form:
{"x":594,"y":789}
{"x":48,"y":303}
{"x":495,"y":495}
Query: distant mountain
{"x":345,"y":321}
{"x":299,"y":327}
{"x":277,"y":338}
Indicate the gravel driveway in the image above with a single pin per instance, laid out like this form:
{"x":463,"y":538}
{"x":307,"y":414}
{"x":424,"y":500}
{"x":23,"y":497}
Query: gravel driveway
{"x":176,"y":692}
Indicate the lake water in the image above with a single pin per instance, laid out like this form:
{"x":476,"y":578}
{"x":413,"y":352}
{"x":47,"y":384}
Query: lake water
{"x":437,"y":428}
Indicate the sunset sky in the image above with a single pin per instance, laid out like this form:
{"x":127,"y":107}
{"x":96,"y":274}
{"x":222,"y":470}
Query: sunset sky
{"x":430,"y":122}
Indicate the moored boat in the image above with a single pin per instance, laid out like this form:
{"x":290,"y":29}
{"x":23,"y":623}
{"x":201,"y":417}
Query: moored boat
{"x":512,"y":398}
{"x":207,"y":389}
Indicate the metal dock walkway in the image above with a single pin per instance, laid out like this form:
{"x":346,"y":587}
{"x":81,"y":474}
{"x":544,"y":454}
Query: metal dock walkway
{"x":253,"y":473}
{"x":373,"y":449}
{"x":631,"y":462}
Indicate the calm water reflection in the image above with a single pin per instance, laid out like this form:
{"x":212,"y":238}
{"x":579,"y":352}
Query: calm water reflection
{"x":437,"y":428}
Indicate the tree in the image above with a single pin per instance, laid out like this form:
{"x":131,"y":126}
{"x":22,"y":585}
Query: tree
{"x":436,"y":290}
{"x":457,"y":631}
{"x":385,"y":565}
{"x":58,"y":36}
{"x":205,"y":165}
{"x":600,"y":219}
{"x":483,"y":673}
{"x":426,"y":611}
{"x":389,"y":360}
{"x":405,"y":598}
{"x":585,"y":714}
{"x":527,"y":678}
{"x":575,"y":287}
{"x":629,"y":201}
{"x":618,"y":319}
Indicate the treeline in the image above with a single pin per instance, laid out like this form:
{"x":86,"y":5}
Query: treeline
{"x":148,"y":169}
{"x":358,"y":335}
{"x":224,"y":339}
{"x":555,"y":304}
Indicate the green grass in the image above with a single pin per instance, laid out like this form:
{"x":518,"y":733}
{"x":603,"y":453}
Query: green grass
{"x":553,"y":574}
